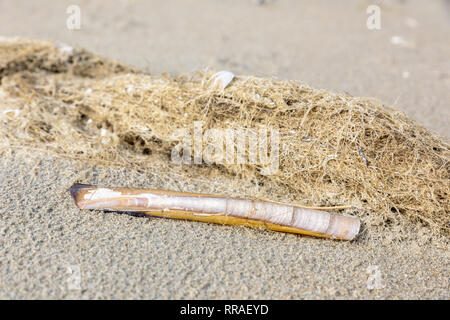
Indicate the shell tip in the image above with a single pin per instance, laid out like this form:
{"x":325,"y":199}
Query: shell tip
{"x":76,"y":190}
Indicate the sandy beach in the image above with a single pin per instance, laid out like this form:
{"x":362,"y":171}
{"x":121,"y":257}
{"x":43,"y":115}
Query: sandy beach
{"x":52,"y":250}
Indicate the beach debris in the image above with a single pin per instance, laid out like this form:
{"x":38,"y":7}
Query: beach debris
{"x":222,"y":79}
{"x":107,"y":137}
{"x":409,"y":165}
{"x":64,"y":48}
{"x":402,"y":42}
{"x":218,"y":209}
{"x":361,"y":153}
{"x":130,"y":89}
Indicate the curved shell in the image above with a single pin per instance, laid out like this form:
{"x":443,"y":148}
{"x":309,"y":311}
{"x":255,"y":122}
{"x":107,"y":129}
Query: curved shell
{"x":222,"y":79}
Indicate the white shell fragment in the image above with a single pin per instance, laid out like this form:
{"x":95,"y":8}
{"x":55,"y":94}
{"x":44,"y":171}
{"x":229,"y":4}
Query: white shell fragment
{"x":11,"y":112}
{"x":402,"y":42}
{"x":64,"y":48}
{"x":222,"y":79}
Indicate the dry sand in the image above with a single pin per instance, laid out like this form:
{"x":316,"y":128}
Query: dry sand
{"x":50,"y":249}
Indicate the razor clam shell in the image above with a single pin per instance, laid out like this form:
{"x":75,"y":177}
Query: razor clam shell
{"x":311,"y":221}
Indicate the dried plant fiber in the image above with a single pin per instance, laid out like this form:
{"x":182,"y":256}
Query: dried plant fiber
{"x":335,"y":149}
